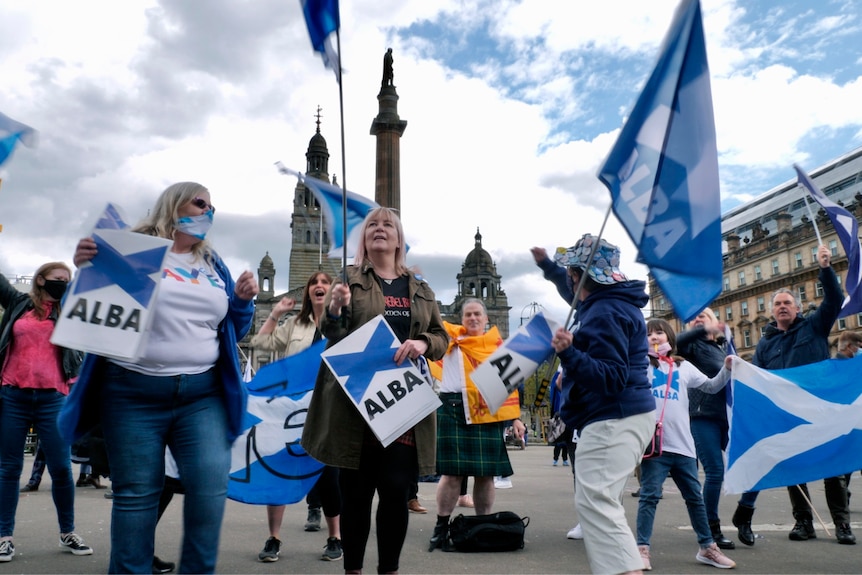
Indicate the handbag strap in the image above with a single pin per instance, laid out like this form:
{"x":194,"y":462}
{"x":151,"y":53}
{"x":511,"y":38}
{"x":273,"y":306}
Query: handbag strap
{"x":670,"y":364}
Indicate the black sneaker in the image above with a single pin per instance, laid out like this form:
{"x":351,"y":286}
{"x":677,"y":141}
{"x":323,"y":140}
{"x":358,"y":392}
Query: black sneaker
{"x":270,"y":550}
{"x":160,"y":566}
{"x":312,"y":522}
{"x":332,"y":551}
{"x":7,"y":550}
{"x":802,"y":531}
{"x":74,"y":543}
{"x":30,"y":487}
{"x":844,"y":535}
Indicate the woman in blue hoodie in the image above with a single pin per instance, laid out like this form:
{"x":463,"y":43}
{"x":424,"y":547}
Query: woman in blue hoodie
{"x":606,"y":392}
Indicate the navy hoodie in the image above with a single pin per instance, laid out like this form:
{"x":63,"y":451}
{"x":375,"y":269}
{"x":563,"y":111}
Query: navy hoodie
{"x":605,"y":370}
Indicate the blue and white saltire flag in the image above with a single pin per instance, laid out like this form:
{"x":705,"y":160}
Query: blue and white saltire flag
{"x":513,"y":362}
{"x":847,"y":229}
{"x":390,"y":398}
{"x":322,"y":19}
{"x":107,"y":309}
{"x":12,"y":132}
{"x":268,"y":464}
{"x":794,"y":425}
{"x":663,"y":171}
{"x":332,"y":200}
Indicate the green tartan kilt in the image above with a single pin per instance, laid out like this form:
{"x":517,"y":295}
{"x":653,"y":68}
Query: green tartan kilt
{"x":473,"y":450}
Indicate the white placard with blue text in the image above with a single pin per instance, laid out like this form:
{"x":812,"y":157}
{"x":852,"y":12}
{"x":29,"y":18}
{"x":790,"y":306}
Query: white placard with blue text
{"x":390,"y":398}
{"x":107,"y":308}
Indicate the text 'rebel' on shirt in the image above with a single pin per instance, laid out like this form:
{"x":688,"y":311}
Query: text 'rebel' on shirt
{"x":396,"y":296}
{"x":190,"y":305}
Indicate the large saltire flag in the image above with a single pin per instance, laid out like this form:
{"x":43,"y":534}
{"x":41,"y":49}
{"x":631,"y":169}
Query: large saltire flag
{"x":12,"y":132}
{"x":847,"y":229}
{"x":332,"y":201}
{"x":663,"y":171}
{"x":323,"y":20}
{"x":794,"y":425}
{"x":268,"y":464}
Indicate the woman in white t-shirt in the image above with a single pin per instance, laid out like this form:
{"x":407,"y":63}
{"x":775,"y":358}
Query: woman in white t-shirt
{"x":185,"y":390}
{"x":671,"y":379}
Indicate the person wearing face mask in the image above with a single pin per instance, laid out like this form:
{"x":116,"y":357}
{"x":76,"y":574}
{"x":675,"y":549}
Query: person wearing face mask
{"x":184,"y":392}
{"x":36,"y":377}
{"x":672,"y":379}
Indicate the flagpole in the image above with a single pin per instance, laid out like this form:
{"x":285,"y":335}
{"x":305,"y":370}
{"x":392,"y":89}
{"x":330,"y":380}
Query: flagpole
{"x":813,"y":220}
{"x":343,"y":160}
{"x":589,"y":261}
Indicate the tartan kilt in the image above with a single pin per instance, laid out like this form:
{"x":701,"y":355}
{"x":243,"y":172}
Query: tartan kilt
{"x":478,"y":450}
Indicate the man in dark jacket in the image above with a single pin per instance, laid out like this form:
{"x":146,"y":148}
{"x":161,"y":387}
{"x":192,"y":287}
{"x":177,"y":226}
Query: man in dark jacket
{"x":792,"y":340}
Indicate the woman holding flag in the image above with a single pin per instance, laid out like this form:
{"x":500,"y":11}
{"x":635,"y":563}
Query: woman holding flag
{"x":297,"y":333}
{"x":184,"y":391}
{"x":335,"y":433}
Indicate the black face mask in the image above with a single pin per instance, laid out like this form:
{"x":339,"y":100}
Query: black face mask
{"x":55,"y":288}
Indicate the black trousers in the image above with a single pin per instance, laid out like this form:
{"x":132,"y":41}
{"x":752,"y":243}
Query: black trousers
{"x":836,"y":500}
{"x":389,"y":472}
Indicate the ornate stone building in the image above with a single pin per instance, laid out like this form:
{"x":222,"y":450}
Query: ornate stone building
{"x":479,"y":279}
{"x":771,"y":243}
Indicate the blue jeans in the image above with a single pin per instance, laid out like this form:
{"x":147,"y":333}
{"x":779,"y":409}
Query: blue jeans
{"x":141,"y":415}
{"x":20,"y":408}
{"x":683,"y":470}
{"x":710,"y":438}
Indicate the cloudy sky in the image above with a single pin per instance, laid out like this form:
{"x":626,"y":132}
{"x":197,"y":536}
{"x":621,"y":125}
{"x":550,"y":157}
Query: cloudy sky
{"x":511,"y":107}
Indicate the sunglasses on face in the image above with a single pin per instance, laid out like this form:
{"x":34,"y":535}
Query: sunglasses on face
{"x":202,"y":204}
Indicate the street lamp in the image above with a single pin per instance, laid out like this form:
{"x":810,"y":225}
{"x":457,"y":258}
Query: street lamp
{"x":529,"y":311}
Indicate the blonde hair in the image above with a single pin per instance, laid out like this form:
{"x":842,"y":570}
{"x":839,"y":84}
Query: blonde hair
{"x":162,"y":219}
{"x":707,"y":311}
{"x":387,"y":215}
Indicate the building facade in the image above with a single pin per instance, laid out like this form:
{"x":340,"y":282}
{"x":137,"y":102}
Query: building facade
{"x":771,"y":243}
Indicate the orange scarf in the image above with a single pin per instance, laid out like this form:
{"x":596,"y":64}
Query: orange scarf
{"x":474,"y":350}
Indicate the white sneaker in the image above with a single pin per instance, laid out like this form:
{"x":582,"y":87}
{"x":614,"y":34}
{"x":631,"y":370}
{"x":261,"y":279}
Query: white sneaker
{"x":713,"y":556}
{"x":502,"y":483}
{"x":575,"y":532}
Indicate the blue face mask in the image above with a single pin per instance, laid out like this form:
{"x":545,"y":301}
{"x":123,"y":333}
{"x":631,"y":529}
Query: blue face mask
{"x":196,"y":226}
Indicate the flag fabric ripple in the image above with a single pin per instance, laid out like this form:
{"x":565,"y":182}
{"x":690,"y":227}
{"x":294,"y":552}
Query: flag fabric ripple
{"x":662,"y":172}
{"x":791,"y":426}
{"x":268,"y":465}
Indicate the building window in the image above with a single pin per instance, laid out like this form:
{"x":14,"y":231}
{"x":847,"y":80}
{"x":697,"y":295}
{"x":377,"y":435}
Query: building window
{"x":741,"y":279}
{"x":726,"y":283}
{"x":833,"y":247}
{"x":814,"y":255}
{"x":761,"y":304}
{"x":801,"y":291}
{"x":842,"y":323}
{"x":661,"y":304}
{"x":775,"y":267}
{"x":859,"y":319}
{"x":762,"y":331}
{"x":746,"y":337}
{"x":728,"y":313}
{"x":757,"y":275}
{"x":818,"y":289}
{"x":798,"y":257}
{"x":743,"y":308}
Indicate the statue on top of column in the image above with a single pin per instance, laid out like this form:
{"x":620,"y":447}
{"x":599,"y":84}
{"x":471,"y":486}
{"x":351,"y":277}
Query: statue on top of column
{"x":388,"y":74}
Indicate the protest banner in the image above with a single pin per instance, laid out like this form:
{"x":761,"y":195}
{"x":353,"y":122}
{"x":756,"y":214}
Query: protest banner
{"x":517,"y":359}
{"x":390,"y":398}
{"x":107,"y":308}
